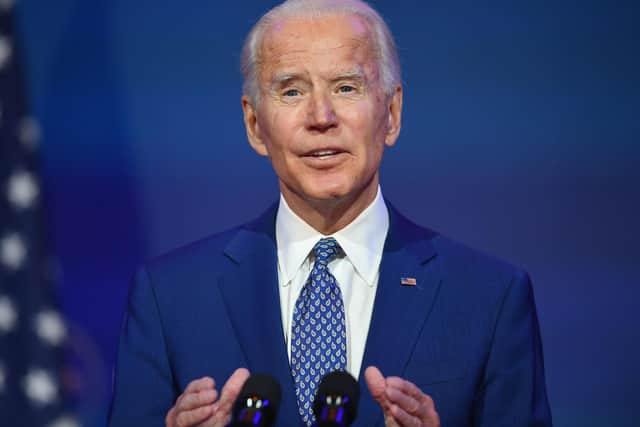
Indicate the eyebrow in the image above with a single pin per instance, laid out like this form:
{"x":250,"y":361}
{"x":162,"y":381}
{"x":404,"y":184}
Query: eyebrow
{"x":350,"y":75}
{"x":280,"y":80}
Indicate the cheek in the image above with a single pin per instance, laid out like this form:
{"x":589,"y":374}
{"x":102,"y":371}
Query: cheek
{"x":358,"y":117}
{"x":368,"y":126}
{"x":271,"y":130}
{"x":278,"y":132}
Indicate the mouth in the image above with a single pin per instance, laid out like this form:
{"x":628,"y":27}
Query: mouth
{"x":323,"y":154}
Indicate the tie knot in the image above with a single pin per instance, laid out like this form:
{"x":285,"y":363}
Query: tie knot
{"x":325,"y":250}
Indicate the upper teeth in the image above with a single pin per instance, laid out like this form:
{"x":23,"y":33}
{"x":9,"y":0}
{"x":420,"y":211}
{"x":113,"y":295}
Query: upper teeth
{"x":323,"y":153}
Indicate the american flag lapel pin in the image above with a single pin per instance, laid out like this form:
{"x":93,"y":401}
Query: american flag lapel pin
{"x":408,"y":281}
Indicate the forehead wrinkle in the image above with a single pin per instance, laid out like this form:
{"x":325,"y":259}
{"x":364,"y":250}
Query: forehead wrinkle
{"x":354,"y":51}
{"x":280,"y":53}
{"x":361,"y":31}
{"x":281,"y":48}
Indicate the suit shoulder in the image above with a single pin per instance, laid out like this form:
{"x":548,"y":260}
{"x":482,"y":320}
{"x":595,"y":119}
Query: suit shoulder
{"x":178,"y":275}
{"x":477,"y":276}
{"x":209,"y":248}
{"x":452,"y":255}
{"x":214,"y":250}
{"x":461,"y":257}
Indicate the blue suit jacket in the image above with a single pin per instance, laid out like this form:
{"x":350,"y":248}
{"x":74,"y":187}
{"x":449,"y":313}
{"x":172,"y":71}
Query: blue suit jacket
{"x":467,"y":334}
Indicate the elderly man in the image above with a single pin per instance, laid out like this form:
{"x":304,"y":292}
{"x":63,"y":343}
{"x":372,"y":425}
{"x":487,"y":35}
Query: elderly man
{"x":332,"y":277}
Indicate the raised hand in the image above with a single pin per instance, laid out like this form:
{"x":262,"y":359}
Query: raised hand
{"x":402,"y":402}
{"x":199,"y":405}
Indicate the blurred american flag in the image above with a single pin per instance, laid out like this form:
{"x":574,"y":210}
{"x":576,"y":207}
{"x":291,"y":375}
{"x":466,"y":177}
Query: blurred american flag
{"x":32,"y":331}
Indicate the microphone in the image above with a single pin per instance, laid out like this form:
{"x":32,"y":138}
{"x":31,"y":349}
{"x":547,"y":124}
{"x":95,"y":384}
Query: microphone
{"x":336,"y":402}
{"x":258,"y":402}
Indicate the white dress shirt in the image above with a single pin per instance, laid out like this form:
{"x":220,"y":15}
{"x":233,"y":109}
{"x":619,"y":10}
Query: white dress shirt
{"x":356,"y":273}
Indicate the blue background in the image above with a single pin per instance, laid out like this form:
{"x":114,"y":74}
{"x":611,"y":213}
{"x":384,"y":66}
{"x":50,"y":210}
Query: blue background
{"x":520,"y":137}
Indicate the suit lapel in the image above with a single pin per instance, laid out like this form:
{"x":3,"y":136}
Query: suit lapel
{"x":252,"y":298}
{"x":399,"y":312}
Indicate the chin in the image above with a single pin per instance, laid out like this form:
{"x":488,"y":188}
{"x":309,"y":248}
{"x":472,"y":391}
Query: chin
{"x":333,"y":197}
{"x":327,"y":191}
{"x":325,"y":196}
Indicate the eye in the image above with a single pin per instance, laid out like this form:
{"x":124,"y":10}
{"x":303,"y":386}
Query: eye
{"x":292,"y":92}
{"x":346,"y":89}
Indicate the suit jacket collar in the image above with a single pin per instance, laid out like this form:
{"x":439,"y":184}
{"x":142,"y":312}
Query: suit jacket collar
{"x":251,"y":294}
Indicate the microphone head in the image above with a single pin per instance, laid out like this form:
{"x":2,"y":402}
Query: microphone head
{"x":258,"y":402}
{"x":336,"y":402}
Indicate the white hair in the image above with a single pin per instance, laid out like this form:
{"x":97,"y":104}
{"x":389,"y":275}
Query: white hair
{"x":387,"y":55}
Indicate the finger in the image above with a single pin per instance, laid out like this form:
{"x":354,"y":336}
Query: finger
{"x":377,"y":385}
{"x":408,"y":396}
{"x":429,"y":418}
{"x":406,"y":387}
{"x":194,"y":416}
{"x":195,"y":400}
{"x":204,"y":383}
{"x":404,"y":418}
{"x":231,"y":390}
{"x":406,"y":402}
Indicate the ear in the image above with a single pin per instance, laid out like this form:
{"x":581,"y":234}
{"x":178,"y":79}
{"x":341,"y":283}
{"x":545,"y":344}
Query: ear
{"x":252,"y":128}
{"x":394,"y":117}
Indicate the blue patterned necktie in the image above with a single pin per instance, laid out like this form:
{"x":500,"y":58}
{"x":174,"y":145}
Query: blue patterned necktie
{"x":318,"y":332}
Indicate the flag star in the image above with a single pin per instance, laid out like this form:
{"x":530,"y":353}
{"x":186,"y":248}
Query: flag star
{"x":65,"y":421}
{"x":13,"y":251}
{"x":5,"y":51}
{"x":29,"y":132}
{"x":8,"y":315}
{"x":6,"y":4}
{"x":40,"y":387}
{"x":22,"y":189}
{"x":50,"y":327}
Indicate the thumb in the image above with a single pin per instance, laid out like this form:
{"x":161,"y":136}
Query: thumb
{"x":231,"y":389}
{"x":377,"y":385}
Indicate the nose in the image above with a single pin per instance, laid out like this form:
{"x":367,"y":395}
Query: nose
{"x":321,"y":115}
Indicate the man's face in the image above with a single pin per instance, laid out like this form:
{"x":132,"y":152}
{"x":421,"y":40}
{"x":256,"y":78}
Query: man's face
{"x":323,"y":117}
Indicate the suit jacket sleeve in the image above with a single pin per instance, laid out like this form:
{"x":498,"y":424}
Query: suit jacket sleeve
{"x":142,"y":389}
{"x":513,"y":392}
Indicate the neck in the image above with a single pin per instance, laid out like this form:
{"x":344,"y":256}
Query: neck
{"x":331,"y":215}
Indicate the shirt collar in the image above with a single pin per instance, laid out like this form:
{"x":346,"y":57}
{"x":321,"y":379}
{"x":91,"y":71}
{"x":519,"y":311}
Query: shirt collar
{"x":362,"y":240}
